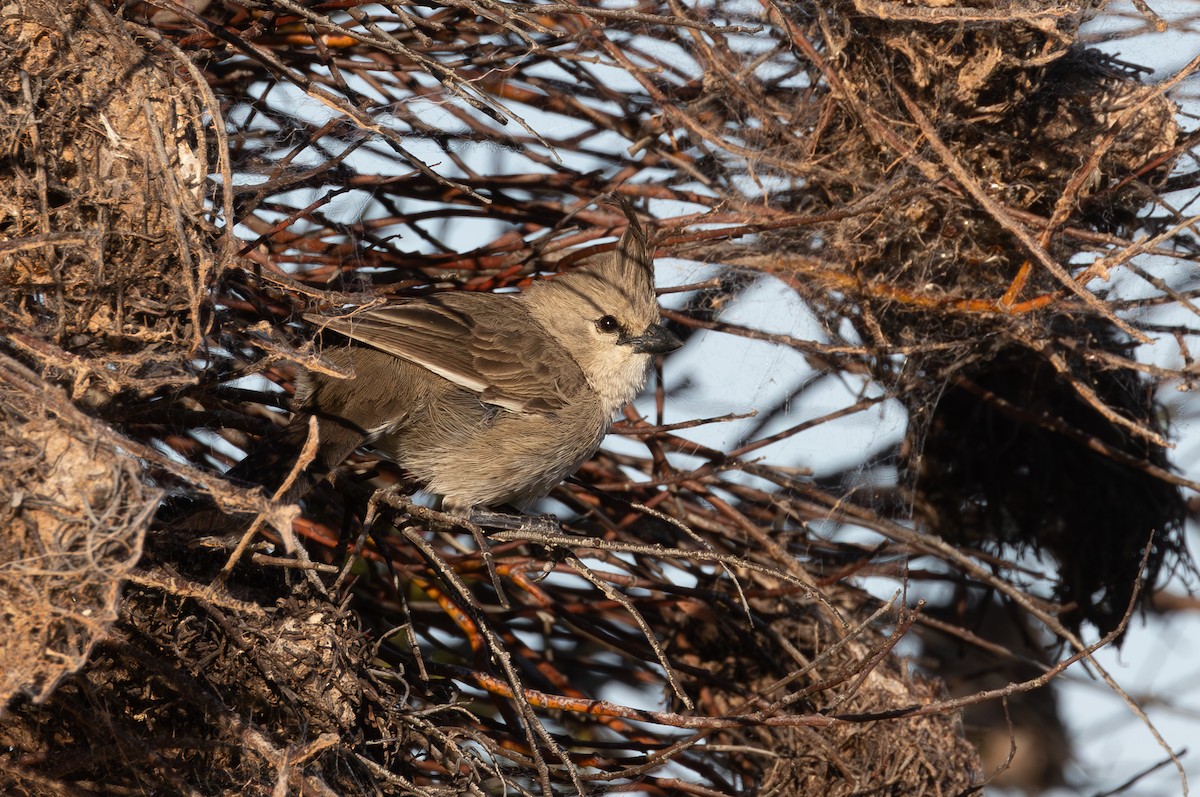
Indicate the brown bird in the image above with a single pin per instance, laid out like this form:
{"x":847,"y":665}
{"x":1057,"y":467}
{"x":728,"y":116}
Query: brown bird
{"x":485,"y":399}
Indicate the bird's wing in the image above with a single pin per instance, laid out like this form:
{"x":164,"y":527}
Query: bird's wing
{"x":482,"y":342}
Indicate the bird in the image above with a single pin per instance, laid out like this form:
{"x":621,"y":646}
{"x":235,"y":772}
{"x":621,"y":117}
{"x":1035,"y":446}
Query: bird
{"x":487,"y":400}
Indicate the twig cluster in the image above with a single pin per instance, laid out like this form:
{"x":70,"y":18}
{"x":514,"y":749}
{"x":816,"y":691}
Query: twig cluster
{"x":952,"y":192}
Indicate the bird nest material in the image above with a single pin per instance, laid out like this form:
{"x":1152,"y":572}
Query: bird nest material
{"x":945,"y":187}
{"x":75,"y":515}
{"x":106,"y":257}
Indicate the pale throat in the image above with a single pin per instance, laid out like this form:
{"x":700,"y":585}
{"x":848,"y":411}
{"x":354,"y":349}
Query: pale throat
{"x":618,"y":379}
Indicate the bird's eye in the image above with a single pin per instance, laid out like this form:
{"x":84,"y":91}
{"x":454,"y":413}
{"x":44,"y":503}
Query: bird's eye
{"x":607,"y":324}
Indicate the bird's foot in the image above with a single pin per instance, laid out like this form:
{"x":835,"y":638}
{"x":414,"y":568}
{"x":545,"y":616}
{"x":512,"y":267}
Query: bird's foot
{"x":545,"y":524}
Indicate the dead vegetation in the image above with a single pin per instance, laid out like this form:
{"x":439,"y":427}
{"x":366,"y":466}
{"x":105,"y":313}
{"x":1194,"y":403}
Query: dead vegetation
{"x":951,"y":190}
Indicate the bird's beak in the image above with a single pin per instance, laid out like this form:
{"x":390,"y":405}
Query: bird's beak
{"x":657,"y":339}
